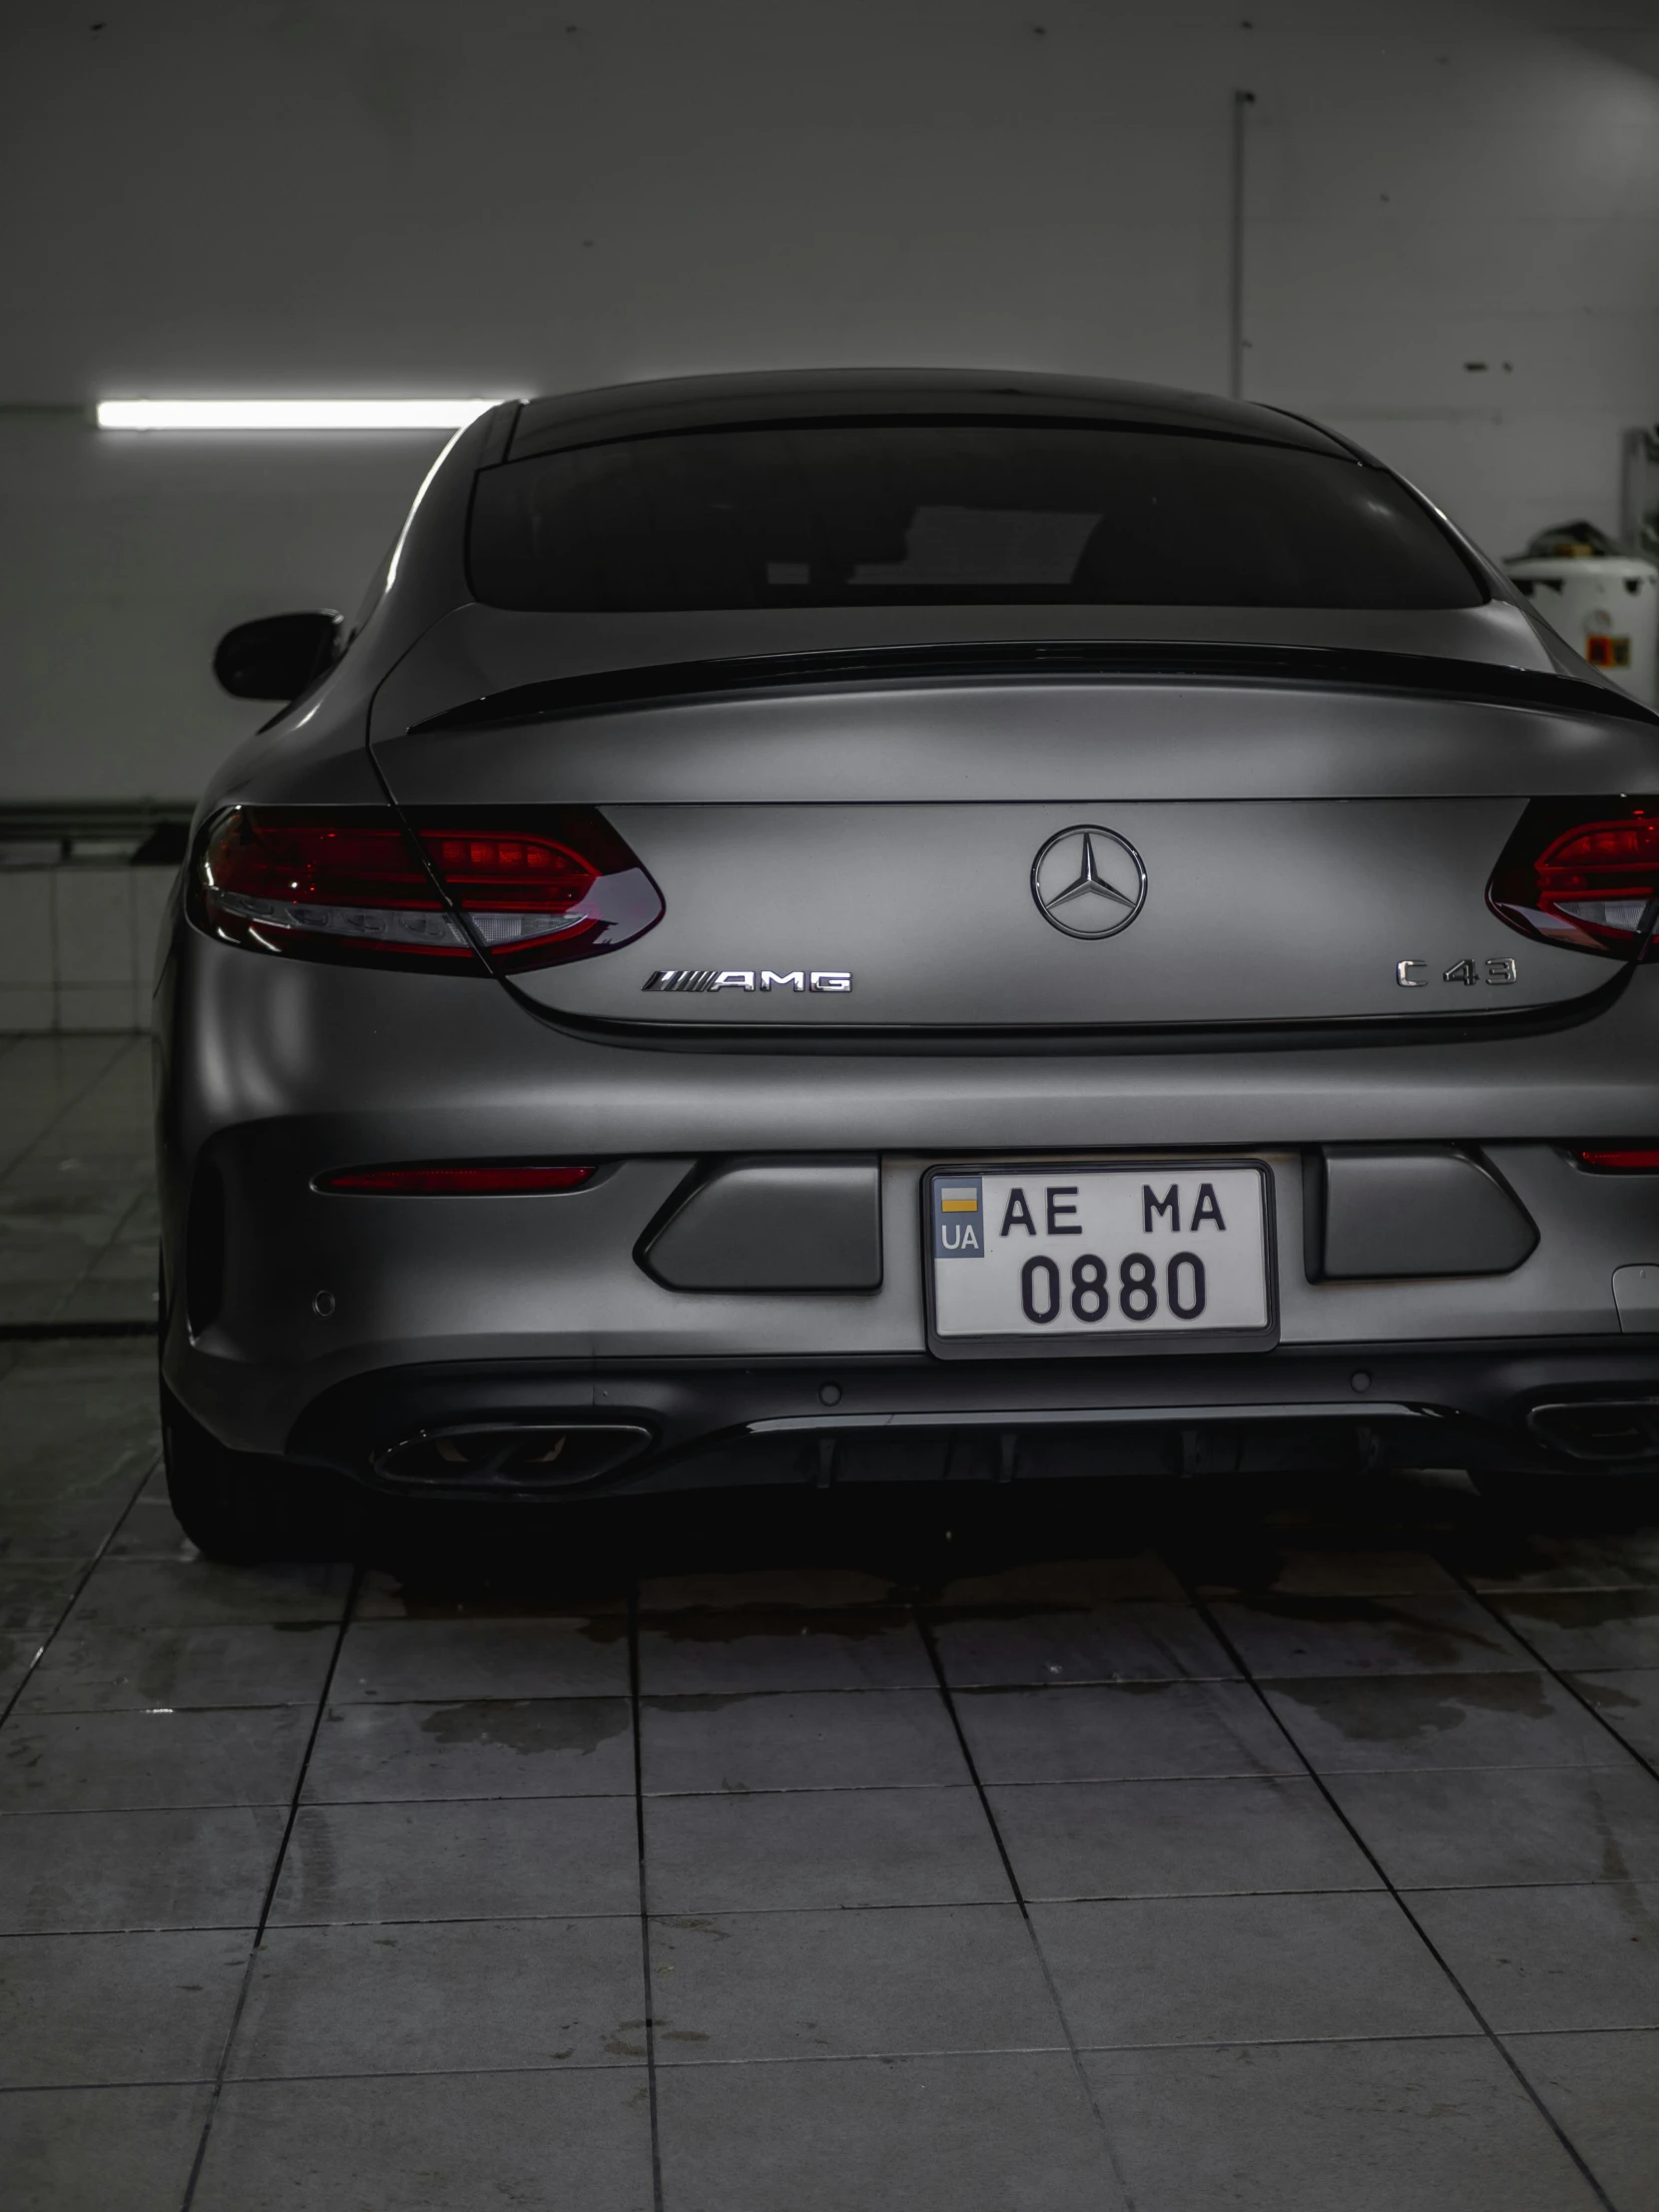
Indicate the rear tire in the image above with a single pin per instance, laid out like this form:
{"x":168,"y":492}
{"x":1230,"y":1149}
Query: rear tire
{"x":237,"y":1506}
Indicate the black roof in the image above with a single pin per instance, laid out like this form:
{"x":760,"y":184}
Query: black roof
{"x":820,"y":395}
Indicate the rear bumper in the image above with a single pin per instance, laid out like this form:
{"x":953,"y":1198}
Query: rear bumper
{"x":320,"y":1296}
{"x":709,"y":1425}
{"x":274,"y":1071}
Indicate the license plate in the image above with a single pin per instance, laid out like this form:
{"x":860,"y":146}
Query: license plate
{"x":1175,"y":1248}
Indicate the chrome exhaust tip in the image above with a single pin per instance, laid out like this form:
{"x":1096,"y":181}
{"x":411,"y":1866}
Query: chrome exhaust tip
{"x":520,"y":1458}
{"x":1608,"y":1431}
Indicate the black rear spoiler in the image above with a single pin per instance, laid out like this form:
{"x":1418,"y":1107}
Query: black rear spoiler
{"x":1321,"y":668}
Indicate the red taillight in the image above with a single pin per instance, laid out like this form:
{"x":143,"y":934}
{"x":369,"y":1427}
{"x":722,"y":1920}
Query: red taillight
{"x":349,"y":885}
{"x":554,"y":888}
{"x":342,"y":886}
{"x":1579,"y":873}
{"x":1621,"y":1159}
{"x":481,"y":1179}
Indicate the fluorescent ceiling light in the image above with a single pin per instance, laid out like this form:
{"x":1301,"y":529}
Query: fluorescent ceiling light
{"x":289,"y":414}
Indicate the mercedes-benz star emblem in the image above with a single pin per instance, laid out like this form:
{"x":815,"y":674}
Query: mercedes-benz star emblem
{"x":1088,"y":881}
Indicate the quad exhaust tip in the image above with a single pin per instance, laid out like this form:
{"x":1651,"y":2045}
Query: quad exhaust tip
{"x":1610,"y":1431}
{"x":524,"y":1459}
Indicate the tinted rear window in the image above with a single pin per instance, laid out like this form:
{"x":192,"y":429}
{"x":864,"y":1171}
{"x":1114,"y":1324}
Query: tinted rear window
{"x":954,"y":514}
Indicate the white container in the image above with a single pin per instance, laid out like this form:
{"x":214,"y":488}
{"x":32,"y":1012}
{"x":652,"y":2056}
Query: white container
{"x":1606,"y":607}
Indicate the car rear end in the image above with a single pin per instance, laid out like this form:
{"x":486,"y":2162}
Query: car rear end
{"x":842,"y":932}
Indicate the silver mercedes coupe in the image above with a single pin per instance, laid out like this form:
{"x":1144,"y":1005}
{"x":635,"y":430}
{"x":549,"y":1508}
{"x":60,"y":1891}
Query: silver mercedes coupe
{"x":838,"y":929}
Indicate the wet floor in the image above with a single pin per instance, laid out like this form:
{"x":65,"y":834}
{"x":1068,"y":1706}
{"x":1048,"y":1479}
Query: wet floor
{"x":1181,"y":1846}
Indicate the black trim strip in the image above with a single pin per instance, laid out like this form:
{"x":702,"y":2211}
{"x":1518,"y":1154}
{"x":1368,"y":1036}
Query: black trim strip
{"x":610,"y":691}
{"x":1171,"y":1039}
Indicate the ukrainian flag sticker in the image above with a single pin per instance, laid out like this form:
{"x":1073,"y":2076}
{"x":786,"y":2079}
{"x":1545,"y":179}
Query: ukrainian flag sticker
{"x":959,"y":1218}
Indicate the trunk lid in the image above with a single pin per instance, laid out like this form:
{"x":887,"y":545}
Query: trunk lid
{"x":1053,"y":855}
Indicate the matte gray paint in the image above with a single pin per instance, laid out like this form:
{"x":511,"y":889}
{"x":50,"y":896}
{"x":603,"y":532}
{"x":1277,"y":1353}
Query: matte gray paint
{"x":1636,"y":1295}
{"x":286,"y":1068}
{"x":990,"y":743}
{"x":1261,"y":912}
{"x":773,"y":1225}
{"x":1412,"y":1210}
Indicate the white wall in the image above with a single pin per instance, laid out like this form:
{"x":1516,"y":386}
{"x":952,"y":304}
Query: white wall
{"x":408,"y":196}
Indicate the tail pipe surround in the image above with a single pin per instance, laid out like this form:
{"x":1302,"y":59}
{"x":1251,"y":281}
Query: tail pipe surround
{"x":509,"y":1458}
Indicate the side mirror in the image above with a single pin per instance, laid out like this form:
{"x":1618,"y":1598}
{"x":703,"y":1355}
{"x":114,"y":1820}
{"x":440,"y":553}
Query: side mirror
{"x":278,"y":656}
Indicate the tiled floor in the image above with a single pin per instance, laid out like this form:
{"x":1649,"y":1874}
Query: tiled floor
{"x":1187,"y":1849}
{"x":77,"y":1218}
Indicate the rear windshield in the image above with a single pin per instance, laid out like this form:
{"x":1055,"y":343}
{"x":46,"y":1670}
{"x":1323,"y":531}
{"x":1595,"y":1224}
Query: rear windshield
{"x":904,"y":514}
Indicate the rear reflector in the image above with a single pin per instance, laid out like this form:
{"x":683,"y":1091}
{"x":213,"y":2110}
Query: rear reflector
{"x":1624,"y":1159}
{"x":1579,"y":873}
{"x":532,"y":888}
{"x":483,"y":1179}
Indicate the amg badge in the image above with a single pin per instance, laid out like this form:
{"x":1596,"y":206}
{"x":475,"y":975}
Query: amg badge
{"x":748,"y":979}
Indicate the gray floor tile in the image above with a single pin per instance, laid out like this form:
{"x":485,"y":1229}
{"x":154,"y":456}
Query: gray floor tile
{"x":66,"y":1872}
{"x":1287,"y":1636}
{"x":436,"y":1997}
{"x":102,"y":1393}
{"x":45,"y":1251}
{"x":469,"y":1659}
{"x":471,"y":2142}
{"x":498,"y":1594}
{"x":95,"y":2151}
{"x":821,"y":1849}
{"x":1628,"y":1699}
{"x":1355,"y":1723}
{"x":760,"y":1648}
{"x":147,"y":1529}
{"x":1131,"y":1642}
{"x":1496,"y":1824}
{"x":1600,"y":2090}
{"x":1129,"y":1730}
{"x":1245,"y":1969}
{"x":42,"y":1519}
{"x":525,"y":1746}
{"x":957,"y":2134}
{"x":108,"y":1762}
{"x":17,"y":1655}
{"x":1069,"y":1585}
{"x":810,"y":1739}
{"x":1367,"y":1573}
{"x":27,"y":1299}
{"x":78,"y":1429}
{"x":33,"y":1595}
{"x":116,"y":1670}
{"x":470,"y":1860}
{"x":806,"y":1589}
{"x":1176,"y":1839}
{"x":130,"y":1258}
{"x":195,"y":1593}
{"x":1588,"y":1628}
{"x":114,"y":2008}
{"x":1551,"y":1959}
{"x":1364,"y":2126}
{"x":849,"y":1983}
{"x":1572,"y":1562}
{"x":99,"y":1297}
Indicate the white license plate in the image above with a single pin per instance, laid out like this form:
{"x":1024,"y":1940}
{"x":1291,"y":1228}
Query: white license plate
{"x":1171,"y":1249}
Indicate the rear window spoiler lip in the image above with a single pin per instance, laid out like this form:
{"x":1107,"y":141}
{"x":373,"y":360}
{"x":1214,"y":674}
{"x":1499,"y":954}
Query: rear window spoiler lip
{"x":1338,"y":668}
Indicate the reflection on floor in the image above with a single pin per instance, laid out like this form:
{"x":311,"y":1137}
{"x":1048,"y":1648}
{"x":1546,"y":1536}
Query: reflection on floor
{"x":1275,"y":1848}
{"x":1253,"y":1846}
